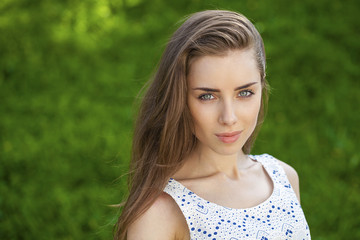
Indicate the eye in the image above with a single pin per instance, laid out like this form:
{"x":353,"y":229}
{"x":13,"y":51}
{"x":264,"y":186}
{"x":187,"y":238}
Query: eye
{"x":206,"y":96}
{"x":245,"y":93}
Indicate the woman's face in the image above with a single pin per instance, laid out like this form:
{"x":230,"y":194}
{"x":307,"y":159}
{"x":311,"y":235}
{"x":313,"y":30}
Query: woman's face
{"x":224,"y":99}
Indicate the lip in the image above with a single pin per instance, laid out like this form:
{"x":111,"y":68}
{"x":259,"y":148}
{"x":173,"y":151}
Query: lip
{"x":229,"y":137}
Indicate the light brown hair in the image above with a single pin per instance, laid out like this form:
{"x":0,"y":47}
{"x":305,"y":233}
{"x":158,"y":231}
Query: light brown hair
{"x":163,"y":131}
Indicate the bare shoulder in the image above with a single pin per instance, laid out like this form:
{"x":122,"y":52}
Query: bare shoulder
{"x":163,"y":220}
{"x":292,"y":176}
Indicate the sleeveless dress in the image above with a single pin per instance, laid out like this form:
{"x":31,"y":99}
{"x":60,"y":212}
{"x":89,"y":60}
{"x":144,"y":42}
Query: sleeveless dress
{"x":280,"y":217}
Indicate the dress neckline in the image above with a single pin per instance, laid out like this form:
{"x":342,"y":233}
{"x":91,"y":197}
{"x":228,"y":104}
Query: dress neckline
{"x":268,"y":200}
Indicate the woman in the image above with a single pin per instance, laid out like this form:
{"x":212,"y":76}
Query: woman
{"x":191,"y":173}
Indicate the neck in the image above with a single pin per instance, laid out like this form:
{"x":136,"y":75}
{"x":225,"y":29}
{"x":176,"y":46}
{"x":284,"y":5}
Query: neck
{"x":208,"y":162}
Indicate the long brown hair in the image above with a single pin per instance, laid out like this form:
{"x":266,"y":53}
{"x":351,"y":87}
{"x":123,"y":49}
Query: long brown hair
{"x":163,"y":132}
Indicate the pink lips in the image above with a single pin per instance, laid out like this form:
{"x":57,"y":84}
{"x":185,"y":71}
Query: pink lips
{"x":229,"y":137}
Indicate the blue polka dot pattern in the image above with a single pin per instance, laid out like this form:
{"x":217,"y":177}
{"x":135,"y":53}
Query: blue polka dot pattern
{"x":279,"y":217}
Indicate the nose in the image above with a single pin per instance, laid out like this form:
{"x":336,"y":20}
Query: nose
{"x":228,"y":113}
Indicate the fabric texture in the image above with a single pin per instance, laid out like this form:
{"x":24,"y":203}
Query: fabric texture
{"x":278,"y":217}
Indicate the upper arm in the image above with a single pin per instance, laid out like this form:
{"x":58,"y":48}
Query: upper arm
{"x":293,"y":178}
{"x":162,"y":221}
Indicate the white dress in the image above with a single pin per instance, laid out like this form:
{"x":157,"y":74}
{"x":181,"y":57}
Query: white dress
{"x":279,"y":217}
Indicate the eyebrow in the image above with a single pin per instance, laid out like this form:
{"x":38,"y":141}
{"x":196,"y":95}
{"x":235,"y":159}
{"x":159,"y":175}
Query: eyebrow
{"x":218,"y":90}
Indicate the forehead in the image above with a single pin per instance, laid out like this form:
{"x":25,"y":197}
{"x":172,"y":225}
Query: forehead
{"x":234,"y":67}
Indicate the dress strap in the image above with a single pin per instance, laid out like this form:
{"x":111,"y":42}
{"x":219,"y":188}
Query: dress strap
{"x":175,"y":190}
{"x":276,"y":172}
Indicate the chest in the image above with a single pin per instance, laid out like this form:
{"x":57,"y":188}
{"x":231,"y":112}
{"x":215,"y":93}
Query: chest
{"x":248,"y":191}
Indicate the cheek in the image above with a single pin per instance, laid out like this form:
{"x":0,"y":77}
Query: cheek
{"x":194,"y":116}
{"x":256,"y":110}
{"x":252,"y":112}
{"x":202,"y":118}
{"x":197,"y":116}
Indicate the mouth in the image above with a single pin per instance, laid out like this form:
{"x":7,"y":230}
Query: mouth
{"x":229,"y":137}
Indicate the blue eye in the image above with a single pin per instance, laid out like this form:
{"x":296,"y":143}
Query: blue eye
{"x":206,"y":96}
{"x":245,"y":93}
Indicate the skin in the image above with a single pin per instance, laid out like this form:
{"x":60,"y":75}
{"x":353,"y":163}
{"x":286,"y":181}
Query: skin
{"x":224,"y":97}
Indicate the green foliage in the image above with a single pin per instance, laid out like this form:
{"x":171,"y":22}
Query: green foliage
{"x":70,"y":72}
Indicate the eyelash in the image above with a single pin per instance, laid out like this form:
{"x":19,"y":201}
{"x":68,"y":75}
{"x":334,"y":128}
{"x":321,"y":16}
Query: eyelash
{"x":249,"y":92}
{"x":202,"y":96}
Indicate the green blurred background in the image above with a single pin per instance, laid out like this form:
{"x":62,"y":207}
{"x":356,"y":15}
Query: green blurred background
{"x":69,"y":75}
